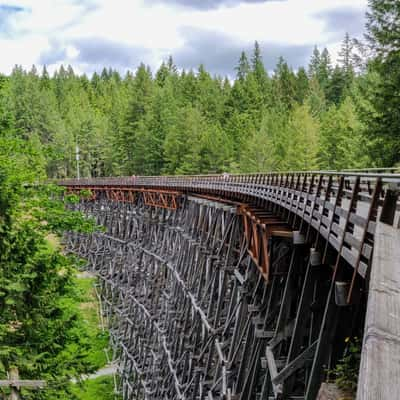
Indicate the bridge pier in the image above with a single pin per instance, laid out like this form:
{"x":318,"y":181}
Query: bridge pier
{"x":190,"y":312}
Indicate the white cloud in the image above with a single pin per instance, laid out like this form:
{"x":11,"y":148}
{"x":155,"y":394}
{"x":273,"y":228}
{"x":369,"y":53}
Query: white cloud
{"x":157,"y":27}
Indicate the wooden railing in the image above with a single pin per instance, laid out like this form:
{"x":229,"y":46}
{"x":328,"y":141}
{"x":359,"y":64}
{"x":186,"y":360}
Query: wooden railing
{"x":342,"y":208}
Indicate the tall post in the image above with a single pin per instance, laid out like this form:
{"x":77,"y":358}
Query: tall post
{"x":14,"y":376}
{"x":77,"y":161}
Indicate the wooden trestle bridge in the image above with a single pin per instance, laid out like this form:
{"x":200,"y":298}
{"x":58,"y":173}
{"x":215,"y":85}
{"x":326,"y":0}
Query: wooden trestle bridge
{"x":246,"y":286}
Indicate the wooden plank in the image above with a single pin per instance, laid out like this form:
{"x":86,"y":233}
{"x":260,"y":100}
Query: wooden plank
{"x":380,"y":357}
{"x":305,"y":357}
{"x":349,"y":256}
{"x":23,"y":383}
{"x":337,"y":229}
{"x":273,"y":371}
{"x":357,"y":220}
{"x":352,"y":241}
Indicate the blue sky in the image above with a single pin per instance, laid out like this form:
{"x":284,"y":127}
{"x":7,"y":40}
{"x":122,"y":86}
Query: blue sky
{"x":90,"y":34}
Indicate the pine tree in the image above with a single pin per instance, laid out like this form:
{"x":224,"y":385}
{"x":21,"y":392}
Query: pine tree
{"x":346,"y":60}
{"x":257,"y":65}
{"x":243,"y":67}
{"x":284,"y":83}
{"x":303,"y":140}
{"x":316,"y":99}
{"x":261,"y":77}
{"x":40,"y":329}
{"x":315,"y":61}
{"x":7,"y":122}
{"x":325,"y":69}
{"x":337,"y":85}
{"x":302,"y":85}
{"x":345,"y":54}
{"x":342,"y":141}
{"x":140,"y":104}
{"x":320,"y":68}
{"x":384,"y":38}
{"x":265,"y":150}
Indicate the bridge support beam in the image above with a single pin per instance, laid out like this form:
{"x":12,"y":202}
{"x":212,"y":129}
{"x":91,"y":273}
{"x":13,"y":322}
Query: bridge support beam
{"x":190,"y":312}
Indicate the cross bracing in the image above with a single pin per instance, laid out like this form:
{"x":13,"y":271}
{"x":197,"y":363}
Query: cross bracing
{"x":232,"y":295}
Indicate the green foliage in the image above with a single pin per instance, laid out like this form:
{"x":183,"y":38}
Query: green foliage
{"x":88,"y":306}
{"x":302,"y":138}
{"x":192,"y":122}
{"x":101,"y":388}
{"x":342,"y":139}
{"x":384,"y":39}
{"x":346,"y":370}
{"x":266,"y":150}
{"x":40,"y":329}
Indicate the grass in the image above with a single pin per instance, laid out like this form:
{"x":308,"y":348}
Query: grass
{"x":89,"y":311}
{"x":101,"y":388}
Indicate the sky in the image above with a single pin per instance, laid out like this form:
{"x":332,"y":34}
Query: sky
{"x":92,"y":34}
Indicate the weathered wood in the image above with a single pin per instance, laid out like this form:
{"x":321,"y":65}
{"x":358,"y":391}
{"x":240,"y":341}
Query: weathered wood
{"x":273,"y":370}
{"x":190,"y":315}
{"x":23,"y":383}
{"x":380,"y":358}
{"x":305,"y":357}
{"x":13,"y":374}
{"x":14,"y":383}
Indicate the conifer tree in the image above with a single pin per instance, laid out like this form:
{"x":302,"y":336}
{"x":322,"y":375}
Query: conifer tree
{"x":243,"y":67}
{"x":383,"y":25}
{"x":342,"y":143}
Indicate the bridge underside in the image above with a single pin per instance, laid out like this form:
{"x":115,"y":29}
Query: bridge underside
{"x":201,"y":306}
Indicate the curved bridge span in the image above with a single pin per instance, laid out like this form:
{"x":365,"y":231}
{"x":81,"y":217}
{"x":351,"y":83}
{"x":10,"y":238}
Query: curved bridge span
{"x":245,"y":286}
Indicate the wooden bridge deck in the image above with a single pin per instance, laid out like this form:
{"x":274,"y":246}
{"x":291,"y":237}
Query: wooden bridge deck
{"x":379,"y":376}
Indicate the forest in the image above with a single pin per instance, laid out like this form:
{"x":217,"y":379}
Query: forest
{"x":172,"y":121}
{"x":169,"y":121}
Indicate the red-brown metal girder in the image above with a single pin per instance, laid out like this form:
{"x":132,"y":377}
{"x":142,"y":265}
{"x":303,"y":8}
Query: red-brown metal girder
{"x":259,"y":227}
{"x":156,"y":198}
{"x":121,"y":194}
{"x":163,"y":199}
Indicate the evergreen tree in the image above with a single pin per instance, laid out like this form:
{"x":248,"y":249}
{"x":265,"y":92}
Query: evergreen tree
{"x":284,"y":84}
{"x":140,"y":104}
{"x":129,"y":125}
{"x":345,"y":56}
{"x":337,"y":86}
{"x":314,"y":65}
{"x":303,"y":140}
{"x":384,"y":38}
{"x":257,"y":65}
{"x":243,"y":67}
{"x":316,"y":99}
{"x":342,"y":142}
{"x":320,"y":68}
{"x":40,"y":329}
{"x":265,"y":150}
{"x":302,"y":85}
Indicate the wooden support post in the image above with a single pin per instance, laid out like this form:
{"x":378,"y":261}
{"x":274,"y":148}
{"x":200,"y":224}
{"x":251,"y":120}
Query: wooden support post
{"x":322,"y":350}
{"x":15,"y":384}
{"x":13,"y":375}
{"x":189,"y":318}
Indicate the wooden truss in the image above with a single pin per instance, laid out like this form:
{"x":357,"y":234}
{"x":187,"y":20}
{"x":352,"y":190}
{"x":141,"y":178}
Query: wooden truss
{"x":211,"y":301}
